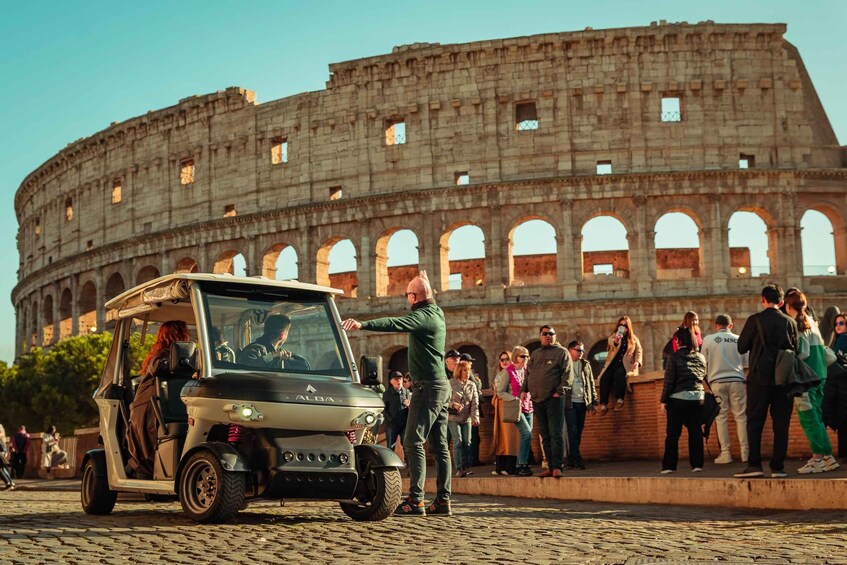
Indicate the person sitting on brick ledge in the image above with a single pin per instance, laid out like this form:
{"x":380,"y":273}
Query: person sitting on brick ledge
{"x":623,"y":361}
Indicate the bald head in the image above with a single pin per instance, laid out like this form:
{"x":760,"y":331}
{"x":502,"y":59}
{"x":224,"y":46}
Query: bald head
{"x":420,"y":286}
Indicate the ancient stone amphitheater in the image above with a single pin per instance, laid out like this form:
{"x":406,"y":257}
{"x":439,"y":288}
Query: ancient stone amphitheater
{"x":705,"y":120}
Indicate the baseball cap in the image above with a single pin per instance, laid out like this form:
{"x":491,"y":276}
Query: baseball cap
{"x":467,"y":357}
{"x":452,"y":353}
{"x":395,"y":375}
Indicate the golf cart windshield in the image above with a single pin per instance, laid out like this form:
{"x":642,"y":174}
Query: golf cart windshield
{"x":277,"y":330}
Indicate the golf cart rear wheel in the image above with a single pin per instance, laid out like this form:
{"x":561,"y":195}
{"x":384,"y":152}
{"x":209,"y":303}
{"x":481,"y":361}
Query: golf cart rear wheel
{"x":97,"y":497}
{"x":209,"y":493}
{"x":377,"y":495}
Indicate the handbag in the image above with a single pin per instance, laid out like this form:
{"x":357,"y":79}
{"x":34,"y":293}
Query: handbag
{"x":709,"y":411}
{"x":511,"y":413}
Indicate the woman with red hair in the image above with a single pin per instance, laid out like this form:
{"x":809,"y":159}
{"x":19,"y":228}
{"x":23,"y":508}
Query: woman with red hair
{"x":142,"y":433}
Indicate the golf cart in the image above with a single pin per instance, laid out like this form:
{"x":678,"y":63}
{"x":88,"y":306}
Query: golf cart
{"x":229,"y":431}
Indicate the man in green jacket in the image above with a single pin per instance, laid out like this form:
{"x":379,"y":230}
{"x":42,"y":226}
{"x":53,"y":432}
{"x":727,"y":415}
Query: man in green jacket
{"x":431,"y":392}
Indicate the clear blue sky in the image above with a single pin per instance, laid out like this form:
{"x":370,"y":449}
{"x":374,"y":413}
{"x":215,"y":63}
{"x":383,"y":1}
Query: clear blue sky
{"x":69,"y":69}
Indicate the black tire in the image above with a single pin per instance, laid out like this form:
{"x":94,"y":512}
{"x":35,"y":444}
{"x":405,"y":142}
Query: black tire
{"x":209,"y":493}
{"x":97,"y":497}
{"x":378,"y":494}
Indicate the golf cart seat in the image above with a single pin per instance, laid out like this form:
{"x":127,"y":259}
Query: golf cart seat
{"x":174,"y":416}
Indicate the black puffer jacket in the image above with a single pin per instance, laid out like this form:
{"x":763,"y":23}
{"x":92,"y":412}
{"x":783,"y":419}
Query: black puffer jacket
{"x":685,"y":370}
{"x":834,"y":406}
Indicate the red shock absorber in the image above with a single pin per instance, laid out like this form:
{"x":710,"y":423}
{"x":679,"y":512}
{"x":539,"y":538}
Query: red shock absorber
{"x":236,"y":432}
{"x":351,"y":435}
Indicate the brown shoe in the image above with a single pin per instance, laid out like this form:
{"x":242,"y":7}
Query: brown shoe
{"x":548,"y":473}
{"x":556,"y":473}
{"x":618,"y":405}
{"x":602,"y":409}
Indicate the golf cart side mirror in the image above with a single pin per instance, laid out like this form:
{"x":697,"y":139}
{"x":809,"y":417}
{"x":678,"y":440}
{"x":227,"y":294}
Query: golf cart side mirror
{"x":370,"y":368}
{"x":183,"y":358}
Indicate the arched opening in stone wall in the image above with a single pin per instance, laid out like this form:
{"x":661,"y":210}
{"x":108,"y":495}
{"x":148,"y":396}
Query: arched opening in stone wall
{"x":22,"y":325}
{"x":33,"y":332}
{"x":280,"y":263}
{"x":87,"y":308}
{"x":47,"y":321}
{"x":398,"y":361}
{"x":396,"y":261}
{"x":462,"y":257}
{"x":748,"y":245}
{"x":532,"y":253}
{"x":818,"y":244}
{"x":533,"y":345}
{"x":231,"y":262}
{"x":605,"y":249}
{"x":336,"y":266}
{"x":187,"y":265}
{"x":65,"y":314}
{"x":479,"y":363}
{"x":597,"y":355}
{"x":678,"y":251}
{"x":146,"y":274}
{"x":114,"y":286}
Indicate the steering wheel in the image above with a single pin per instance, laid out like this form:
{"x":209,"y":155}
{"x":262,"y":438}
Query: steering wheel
{"x":297,"y":362}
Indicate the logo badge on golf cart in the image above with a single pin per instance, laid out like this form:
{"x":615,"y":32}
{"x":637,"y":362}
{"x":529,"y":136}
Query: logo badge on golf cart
{"x":311,"y":389}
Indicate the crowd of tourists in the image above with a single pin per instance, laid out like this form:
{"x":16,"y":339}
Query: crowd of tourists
{"x":778,"y":362}
{"x":14,"y":454}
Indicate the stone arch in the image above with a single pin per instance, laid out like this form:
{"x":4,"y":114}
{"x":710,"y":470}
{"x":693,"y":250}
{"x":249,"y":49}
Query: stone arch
{"x":87,"y":304}
{"x":605,"y":247}
{"x":279,"y":262}
{"x":823,"y":252}
{"x":398,"y":360}
{"x":114,"y":286}
{"x":22,"y":324}
{"x":597,"y":355}
{"x":396,"y":260}
{"x":187,"y":265}
{"x":679,"y":249}
{"x":146,"y":274}
{"x":532,"y":345}
{"x":750,"y":241}
{"x":65,"y":313}
{"x":33,"y":324}
{"x":230,"y":261}
{"x":465,"y":270}
{"x":336,"y":266}
{"x":47,"y":320}
{"x":532,"y":251}
{"x":479,"y":364}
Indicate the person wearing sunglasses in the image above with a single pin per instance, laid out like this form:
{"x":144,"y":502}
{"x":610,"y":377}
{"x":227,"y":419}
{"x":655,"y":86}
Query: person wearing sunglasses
{"x":505,"y":443}
{"x":579,"y":401}
{"x":549,"y":377}
{"x":431,"y":392}
{"x":623,"y":361}
{"x":839,"y":335}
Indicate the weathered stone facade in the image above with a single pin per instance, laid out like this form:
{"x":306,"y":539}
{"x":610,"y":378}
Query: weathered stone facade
{"x":528,"y":120}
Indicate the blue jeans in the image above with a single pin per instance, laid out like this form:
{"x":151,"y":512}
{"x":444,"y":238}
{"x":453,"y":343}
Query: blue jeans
{"x":525,"y":428}
{"x":461,"y":434}
{"x":575,"y":419}
{"x":427,"y":421}
{"x":550,"y":417}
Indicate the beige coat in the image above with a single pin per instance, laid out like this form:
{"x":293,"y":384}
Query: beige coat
{"x":631,"y":360}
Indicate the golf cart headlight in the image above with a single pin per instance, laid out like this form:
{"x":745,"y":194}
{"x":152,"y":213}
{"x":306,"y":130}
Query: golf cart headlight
{"x":243,"y":412}
{"x":364,"y":420}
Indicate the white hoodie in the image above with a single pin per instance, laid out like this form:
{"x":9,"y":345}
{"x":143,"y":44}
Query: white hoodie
{"x":723,"y":361}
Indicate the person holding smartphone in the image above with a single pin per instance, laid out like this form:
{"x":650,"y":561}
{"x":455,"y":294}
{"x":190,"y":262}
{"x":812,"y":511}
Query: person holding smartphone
{"x":624,"y":360}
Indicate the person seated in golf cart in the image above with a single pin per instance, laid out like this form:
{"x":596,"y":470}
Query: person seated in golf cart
{"x":143,"y":428}
{"x":267,"y":352}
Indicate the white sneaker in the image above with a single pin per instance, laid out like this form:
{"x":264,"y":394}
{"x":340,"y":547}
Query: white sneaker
{"x":697,"y":470}
{"x":831,"y":463}
{"x":667,"y":471}
{"x":813,"y":466}
{"x":723,"y":458}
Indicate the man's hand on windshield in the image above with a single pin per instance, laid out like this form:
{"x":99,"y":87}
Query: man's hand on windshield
{"x":350,"y":324}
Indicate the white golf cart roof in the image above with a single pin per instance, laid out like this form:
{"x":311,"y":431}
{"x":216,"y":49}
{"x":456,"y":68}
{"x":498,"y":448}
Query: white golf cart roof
{"x":145,"y":299}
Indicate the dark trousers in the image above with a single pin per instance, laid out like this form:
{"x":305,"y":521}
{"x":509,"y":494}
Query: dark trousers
{"x":427,"y":423}
{"x":613,"y":378}
{"x":393,"y":432}
{"x":474,"y":449}
{"x":759,"y":399}
{"x":575,"y":420}
{"x":681,"y":413}
{"x":19,"y":464}
{"x":508,"y":463}
{"x":842,"y":441}
{"x":550,"y":419}
{"x":4,"y":472}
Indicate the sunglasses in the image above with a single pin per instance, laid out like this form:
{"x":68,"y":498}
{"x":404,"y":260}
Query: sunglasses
{"x":579,"y":350}
{"x":548,"y":334}
{"x":523,"y":356}
{"x":841,"y":323}
{"x":406,"y":294}
{"x":504,"y":359}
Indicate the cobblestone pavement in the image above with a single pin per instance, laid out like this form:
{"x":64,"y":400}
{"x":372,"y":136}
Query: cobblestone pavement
{"x":51,"y":527}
